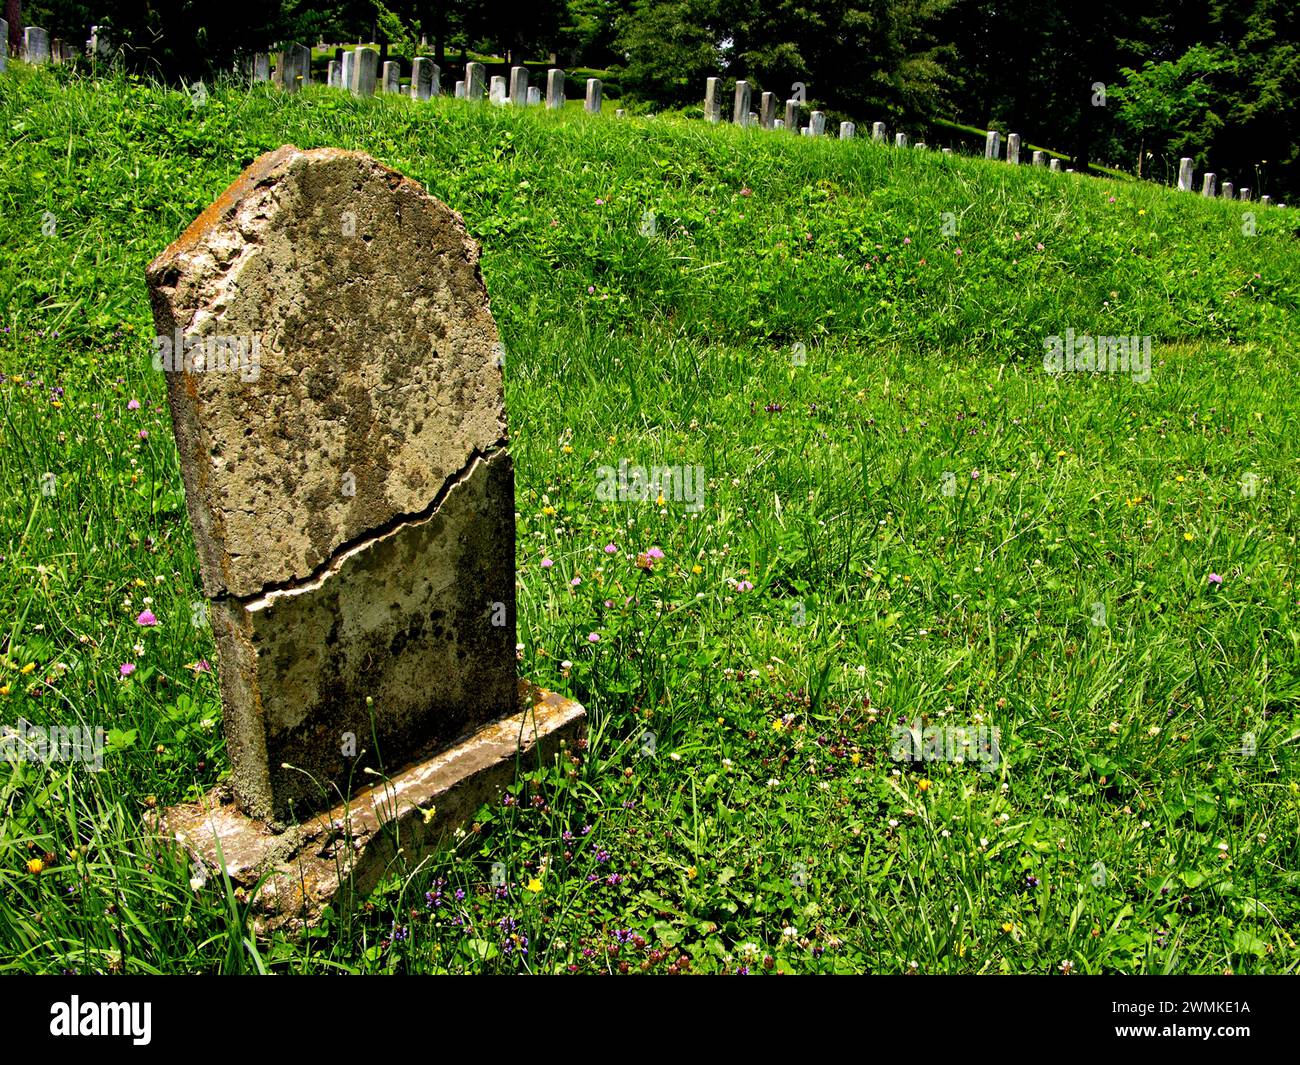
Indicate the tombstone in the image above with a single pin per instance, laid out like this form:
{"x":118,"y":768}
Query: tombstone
{"x":817,"y":123}
{"x":740,"y":113}
{"x":992,"y":144}
{"x":792,"y":115}
{"x":1069,"y":170}
{"x":878,"y":132}
{"x":56,"y":51}
{"x":293,"y":67}
{"x":778,"y":123}
{"x":1054,"y":165}
{"x":1184,"y":175}
{"x":847,"y":129}
{"x":458,"y":90}
{"x":519,"y":86}
{"x":392,"y":79}
{"x":100,"y":48}
{"x":555,"y":88}
{"x":1266,"y":200}
{"x":900,"y":140}
{"x":475,"y":81}
{"x":534,"y":96}
{"x":947,"y":151}
{"x":1244,"y":194}
{"x":805,"y":132}
{"x":919,"y":146}
{"x":332,"y":74}
{"x":1207,"y":185}
{"x":767,"y":110}
{"x":1227,"y":190}
{"x":347,"y":65}
{"x":352,"y":502}
{"x":365,"y":68}
{"x":497,"y":91}
{"x":425,"y":78}
{"x":1013,"y":149}
{"x":593,"y":96}
{"x":1040,"y":158}
{"x":713,"y":100}
{"x":36,"y":46}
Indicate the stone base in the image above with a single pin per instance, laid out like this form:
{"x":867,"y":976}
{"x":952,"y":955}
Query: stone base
{"x":350,"y":848}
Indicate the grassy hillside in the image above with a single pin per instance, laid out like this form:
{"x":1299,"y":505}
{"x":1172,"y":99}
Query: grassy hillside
{"x":905,"y":519}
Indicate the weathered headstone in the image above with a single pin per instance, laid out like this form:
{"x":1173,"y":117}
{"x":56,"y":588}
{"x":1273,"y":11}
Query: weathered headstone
{"x":740,"y":112}
{"x":497,"y":91}
{"x":519,"y":86}
{"x":347,"y":65}
{"x":1055,"y":165}
{"x":332,"y":73}
{"x":593,"y":96}
{"x":425,"y":78}
{"x":713,"y":100}
{"x":56,"y":51}
{"x":100,"y":48}
{"x":992,"y":144}
{"x":847,"y":129}
{"x":293,"y":67}
{"x":1040,"y":158}
{"x":792,"y":115}
{"x":1266,"y":200}
{"x":817,"y":123}
{"x":392,"y":81}
{"x":805,"y":132}
{"x":36,"y":45}
{"x":767,"y":110}
{"x":475,"y":81}
{"x":919,"y":146}
{"x":534,"y":95}
{"x":900,"y":140}
{"x":458,"y":90}
{"x":365,"y":69}
{"x":1227,"y":190}
{"x":620,"y":113}
{"x":1207,"y":185}
{"x":1013,"y":149}
{"x":1244,"y":194}
{"x":1185,"y":174}
{"x":947,"y":151}
{"x":878,"y":131}
{"x":778,"y":123}
{"x":351,"y":495}
{"x":555,"y":88}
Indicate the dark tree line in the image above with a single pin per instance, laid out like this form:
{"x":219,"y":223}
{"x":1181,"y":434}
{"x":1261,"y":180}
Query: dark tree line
{"x":1130,"y":83}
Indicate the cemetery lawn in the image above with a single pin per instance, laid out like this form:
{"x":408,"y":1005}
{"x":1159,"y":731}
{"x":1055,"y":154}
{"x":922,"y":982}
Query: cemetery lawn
{"x":905,"y":519}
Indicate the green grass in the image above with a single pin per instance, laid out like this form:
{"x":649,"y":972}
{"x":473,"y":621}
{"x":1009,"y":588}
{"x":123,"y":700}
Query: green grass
{"x":926,"y":517}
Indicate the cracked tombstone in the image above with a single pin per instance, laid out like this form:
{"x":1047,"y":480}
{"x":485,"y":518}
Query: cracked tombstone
{"x":386,"y":612}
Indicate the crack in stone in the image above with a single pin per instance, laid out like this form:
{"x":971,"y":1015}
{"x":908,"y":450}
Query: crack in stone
{"x":316,"y":577}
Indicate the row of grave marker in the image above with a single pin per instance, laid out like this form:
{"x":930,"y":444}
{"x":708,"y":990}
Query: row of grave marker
{"x":766,"y":118}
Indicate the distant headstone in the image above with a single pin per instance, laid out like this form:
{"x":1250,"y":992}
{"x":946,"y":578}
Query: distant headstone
{"x":900,"y":140}
{"x":519,"y":86}
{"x":36,"y":46}
{"x":792,"y":115}
{"x":365,"y":70}
{"x":847,"y":130}
{"x":816,"y":124}
{"x":740,"y":113}
{"x":919,"y":146}
{"x":1266,"y":200}
{"x":1185,"y":174}
{"x":778,"y":123}
{"x":753,"y":120}
{"x":992,"y":144}
{"x":458,"y":90}
{"x":878,"y":131}
{"x":347,"y":66}
{"x":344,"y":454}
{"x":534,"y":96}
{"x":425,"y":78}
{"x":56,"y":51}
{"x":1055,"y":164}
{"x":1013,"y":149}
{"x":805,"y":132}
{"x":947,"y":151}
{"x":100,"y":47}
{"x":332,"y":74}
{"x":713,"y":100}
{"x":497,"y":91}
{"x":1040,"y":158}
{"x":1227,"y":190}
{"x":1244,"y":194}
{"x":1207,"y":185}
{"x":767,"y":110}
{"x":555,"y":88}
{"x":593,"y":96}
{"x":293,"y":67}
{"x":392,"y":81}
{"x":475,"y":81}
